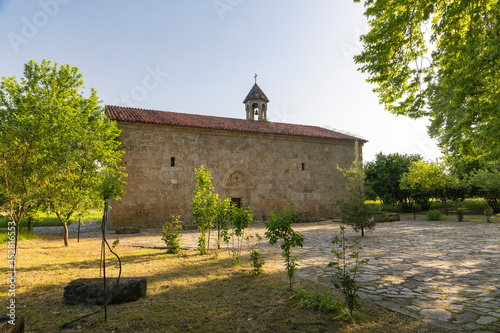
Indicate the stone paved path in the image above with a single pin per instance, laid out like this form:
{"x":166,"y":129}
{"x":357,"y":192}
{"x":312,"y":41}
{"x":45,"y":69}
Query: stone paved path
{"x":446,"y":273}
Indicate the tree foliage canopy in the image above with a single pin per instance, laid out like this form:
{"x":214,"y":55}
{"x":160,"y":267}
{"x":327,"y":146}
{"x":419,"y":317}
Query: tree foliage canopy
{"x":488,"y":184}
{"x":432,"y":177}
{"x":383,"y":175}
{"x":56,"y":144}
{"x":439,"y":59}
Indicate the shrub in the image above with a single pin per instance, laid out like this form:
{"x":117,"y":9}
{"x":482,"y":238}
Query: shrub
{"x":256,"y":255}
{"x":344,"y":269}
{"x":172,"y":234}
{"x":320,"y":301}
{"x":459,"y":209}
{"x":433,"y":215}
{"x":279,"y":228}
{"x":488,"y":212}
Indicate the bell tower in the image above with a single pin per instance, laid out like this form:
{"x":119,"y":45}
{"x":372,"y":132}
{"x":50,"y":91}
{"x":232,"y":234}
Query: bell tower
{"x":256,"y":103}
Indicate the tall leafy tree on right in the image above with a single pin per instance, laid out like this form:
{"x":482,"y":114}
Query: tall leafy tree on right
{"x":439,"y":59}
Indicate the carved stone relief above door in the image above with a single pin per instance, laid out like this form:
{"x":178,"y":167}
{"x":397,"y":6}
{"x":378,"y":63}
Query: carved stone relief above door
{"x":238,"y":178}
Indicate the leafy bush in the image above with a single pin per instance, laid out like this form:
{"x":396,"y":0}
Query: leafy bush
{"x":172,"y":234}
{"x":459,"y":210}
{"x":322,"y":302}
{"x":488,"y":212}
{"x":434,"y":215}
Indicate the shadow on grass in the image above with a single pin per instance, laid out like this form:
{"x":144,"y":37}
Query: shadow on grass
{"x":194,"y":293}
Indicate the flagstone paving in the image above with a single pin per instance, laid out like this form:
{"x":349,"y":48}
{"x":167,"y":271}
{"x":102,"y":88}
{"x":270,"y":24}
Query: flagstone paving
{"x":445,"y":273}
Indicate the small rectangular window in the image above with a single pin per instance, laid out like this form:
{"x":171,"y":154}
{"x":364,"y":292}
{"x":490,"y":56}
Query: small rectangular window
{"x":236,"y":202}
{"x":172,"y":161}
{"x":303,"y":166}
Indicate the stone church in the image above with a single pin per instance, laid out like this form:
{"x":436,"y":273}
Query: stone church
{"x":253,"y":161}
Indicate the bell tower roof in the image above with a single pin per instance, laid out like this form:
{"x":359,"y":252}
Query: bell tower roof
{"x":256,"y":103}
{"x":256,"y":94}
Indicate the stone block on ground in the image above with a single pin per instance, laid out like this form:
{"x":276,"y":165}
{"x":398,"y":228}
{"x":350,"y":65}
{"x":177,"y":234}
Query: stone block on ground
{"x":393,"y":217}
{"x":128,"y":230}
{"x":6,"y":327}
{"x":382,"y":217}
{"x":91,"y":291}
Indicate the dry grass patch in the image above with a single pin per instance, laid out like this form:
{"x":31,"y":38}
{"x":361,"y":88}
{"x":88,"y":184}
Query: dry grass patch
{"x":186,"y":293}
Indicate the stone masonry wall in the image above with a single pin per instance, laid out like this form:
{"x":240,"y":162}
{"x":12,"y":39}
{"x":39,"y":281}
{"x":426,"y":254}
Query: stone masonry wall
{"x":263,"y":170}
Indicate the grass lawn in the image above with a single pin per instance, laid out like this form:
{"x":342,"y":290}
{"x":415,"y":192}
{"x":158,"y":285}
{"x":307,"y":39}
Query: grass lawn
{"x":473,"y":211}
{"x":468,"y":217}
{"x":186,"y":293}
{"x":23,"y":234}
{"x":476,"y":205}
{"x":48,"y":220}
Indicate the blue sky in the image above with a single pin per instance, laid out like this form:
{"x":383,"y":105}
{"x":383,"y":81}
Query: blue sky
{"x":201,"y":56}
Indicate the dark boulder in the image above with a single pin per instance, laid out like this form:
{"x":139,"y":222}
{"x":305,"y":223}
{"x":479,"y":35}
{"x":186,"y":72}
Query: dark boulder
{"x":91,"y":291}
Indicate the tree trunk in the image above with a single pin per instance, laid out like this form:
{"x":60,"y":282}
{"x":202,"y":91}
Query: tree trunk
{"x":445,"y":206}
{"x":15,"y":242}
{"x":65,"y":233}
{"x":208,"y":244}
{"x":494,"y":204}
{"x":218,"y":235}
{"x":405,"y":206}
{"x":30,"y":224}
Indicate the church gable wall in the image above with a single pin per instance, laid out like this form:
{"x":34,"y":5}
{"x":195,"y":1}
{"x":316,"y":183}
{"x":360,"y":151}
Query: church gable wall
{"x":265,"y":171}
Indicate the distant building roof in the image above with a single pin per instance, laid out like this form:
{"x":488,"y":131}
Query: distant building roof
{"x":256,"y":93}
{"x":127,"y":114}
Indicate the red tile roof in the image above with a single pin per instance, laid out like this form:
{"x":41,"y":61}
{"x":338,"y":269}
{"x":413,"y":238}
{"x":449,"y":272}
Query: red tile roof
{"x":126,"y":114}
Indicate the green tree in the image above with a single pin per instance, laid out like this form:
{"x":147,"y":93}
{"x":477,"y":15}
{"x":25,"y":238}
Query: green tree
{"x":54,"y":141}
{"x":88,"y":147}
{"x":204,"y":205}
{"x":240,"y":218}
{"x":432,"y":177}
{"x":488,"y":183}
{"x":353,"y":210}
{"x":438,"y":60}
{"x":222,"y":217}
{"x":383,"y":175}
{"x":279,"y":228}
{"x":172,"y":234}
